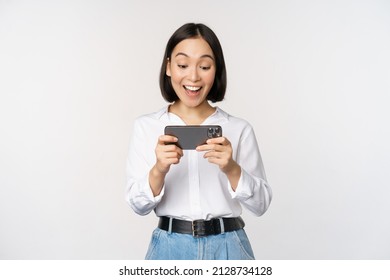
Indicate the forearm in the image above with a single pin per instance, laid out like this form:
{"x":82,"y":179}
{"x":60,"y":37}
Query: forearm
{"x":156,"y":180}
{"x":233,"y":175}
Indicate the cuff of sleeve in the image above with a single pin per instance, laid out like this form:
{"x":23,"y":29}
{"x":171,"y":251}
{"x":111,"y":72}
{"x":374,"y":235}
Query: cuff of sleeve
{"x":158,"y":198}
{"x":143,"y":201}
{"x":149,"y":194}
{"x":244,"y":189}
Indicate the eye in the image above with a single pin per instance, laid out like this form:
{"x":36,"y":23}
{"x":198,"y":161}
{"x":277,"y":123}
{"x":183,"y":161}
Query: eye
{"x":205,"y":67}
{"x":182,"y":66}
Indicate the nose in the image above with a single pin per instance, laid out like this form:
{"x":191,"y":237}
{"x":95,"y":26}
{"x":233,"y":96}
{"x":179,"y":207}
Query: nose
{"x":194,"y":74}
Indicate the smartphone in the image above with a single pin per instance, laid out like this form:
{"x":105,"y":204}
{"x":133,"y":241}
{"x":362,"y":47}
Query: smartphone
{"x":191,"y":136}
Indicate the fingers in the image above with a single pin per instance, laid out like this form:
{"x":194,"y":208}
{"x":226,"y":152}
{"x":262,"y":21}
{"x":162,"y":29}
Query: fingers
{"x":225,"y":154}
{"x":167,"y":154}
{"x":221,"y":158}
{"x":214,"y":144}
{"x":164,"y":139}
{"x":218,"y":140}
{"x":166,"y":144}
{"x":218,"y":151}
{"x":216,"y":148}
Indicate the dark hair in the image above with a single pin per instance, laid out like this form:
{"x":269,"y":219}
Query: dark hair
{"x":192,"y":30}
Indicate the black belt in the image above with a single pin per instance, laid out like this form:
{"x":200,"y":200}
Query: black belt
{"x":199,"y":228}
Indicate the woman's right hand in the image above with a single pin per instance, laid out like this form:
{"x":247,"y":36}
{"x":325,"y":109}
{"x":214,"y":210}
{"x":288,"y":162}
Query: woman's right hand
{"x":167,"y":154}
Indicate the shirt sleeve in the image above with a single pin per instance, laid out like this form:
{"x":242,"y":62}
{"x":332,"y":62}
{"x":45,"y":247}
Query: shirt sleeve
{"x":138,"y":192}
{"x":253,"y":190}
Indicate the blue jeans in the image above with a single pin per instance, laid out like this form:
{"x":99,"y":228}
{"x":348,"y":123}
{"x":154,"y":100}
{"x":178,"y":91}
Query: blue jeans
{"x":232,"y":245}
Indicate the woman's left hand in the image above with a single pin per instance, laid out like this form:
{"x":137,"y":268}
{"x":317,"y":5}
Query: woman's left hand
{"x":219,"y":151}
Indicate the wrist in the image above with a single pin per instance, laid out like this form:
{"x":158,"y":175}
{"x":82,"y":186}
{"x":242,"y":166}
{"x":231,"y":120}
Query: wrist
{"x":234,"y":174}
{"x":233,"y":170}
{"x":156,"y":180}
{"x":159,"y":171}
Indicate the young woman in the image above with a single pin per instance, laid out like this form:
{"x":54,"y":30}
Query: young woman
{"x":197,"y":194}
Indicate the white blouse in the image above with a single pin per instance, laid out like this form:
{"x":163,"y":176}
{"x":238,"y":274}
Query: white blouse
{"x":194,"y":188}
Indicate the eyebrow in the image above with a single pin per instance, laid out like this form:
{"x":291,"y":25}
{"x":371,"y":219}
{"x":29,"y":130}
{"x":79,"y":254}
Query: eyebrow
{"x":203,"y":56}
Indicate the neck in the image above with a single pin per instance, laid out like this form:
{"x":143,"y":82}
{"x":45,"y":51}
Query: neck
{"x":192,"y":115}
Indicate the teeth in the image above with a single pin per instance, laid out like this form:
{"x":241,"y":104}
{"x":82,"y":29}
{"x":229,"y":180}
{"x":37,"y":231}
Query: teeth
{"x":192,"y":88}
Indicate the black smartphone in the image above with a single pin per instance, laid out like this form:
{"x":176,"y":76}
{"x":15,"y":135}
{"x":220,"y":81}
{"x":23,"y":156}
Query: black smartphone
{"x":191,"y":136}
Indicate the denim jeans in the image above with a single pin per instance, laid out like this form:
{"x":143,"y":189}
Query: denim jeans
{"x":232,"y":245}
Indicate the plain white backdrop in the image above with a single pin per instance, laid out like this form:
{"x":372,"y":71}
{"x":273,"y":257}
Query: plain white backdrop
{"x":312,"y":77}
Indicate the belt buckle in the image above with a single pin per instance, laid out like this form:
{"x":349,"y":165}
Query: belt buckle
{"x":198,"y":228}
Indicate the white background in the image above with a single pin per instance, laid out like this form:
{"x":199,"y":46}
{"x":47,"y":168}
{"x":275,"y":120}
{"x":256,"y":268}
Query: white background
{"x":312,"y":77}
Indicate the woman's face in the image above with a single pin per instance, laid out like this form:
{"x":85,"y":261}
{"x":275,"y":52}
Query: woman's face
{"x":192,"y":71}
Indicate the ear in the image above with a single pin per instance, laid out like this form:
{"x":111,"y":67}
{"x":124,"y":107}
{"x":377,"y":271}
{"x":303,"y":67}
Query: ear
{"x":168,"y":68}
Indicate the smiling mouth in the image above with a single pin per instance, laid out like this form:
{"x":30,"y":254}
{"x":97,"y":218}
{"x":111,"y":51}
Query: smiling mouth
{"x":192,"y":90}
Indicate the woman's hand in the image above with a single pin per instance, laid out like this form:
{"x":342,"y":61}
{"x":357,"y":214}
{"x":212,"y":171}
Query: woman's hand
{"x":166,"y":155}
{"x":219,"y":151}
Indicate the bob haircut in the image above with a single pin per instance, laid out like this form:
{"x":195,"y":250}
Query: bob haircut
{"x":187,"y":31}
